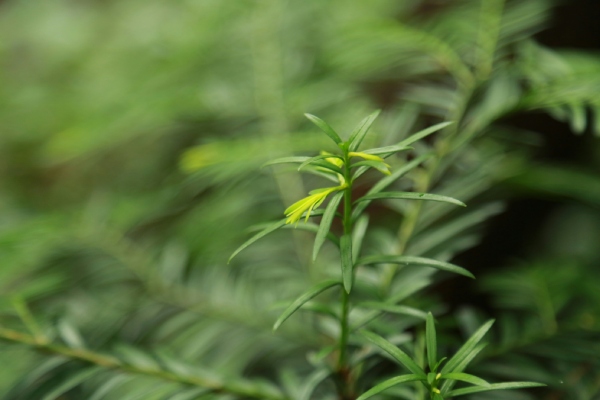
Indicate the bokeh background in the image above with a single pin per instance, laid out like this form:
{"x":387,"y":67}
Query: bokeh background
{"x":132,"y":138}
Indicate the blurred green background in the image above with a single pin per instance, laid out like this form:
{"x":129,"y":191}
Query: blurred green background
{"x":132,"y":138}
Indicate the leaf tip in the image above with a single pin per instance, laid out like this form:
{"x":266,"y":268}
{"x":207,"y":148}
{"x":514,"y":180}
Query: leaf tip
{"x":347,"y":286}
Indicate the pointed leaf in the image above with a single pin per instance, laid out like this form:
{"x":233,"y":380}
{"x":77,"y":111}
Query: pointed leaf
{"x":386,"y":181}
{"x":317,"y":158}
{"x":347,"y":264}
{"x":324,"y":127}
{"x":71,"y":382}
{"x":578,"y":120}
{"x":423,"y":133}
{"x":411,"y":196}
{"x":395,"y":352}
{"x":397,"y":297}
{"x":328,"y":166}
{"x":313,"y":381}
{"x":286,"y":160}
{"x":387,"y":150}
{"x":320,"y":308}
{"x":378,"y":165}
{"x":388,"y":384}
{"x":309,"y":294}
{"x":314,"y":228}
{"x":326,"y":222}
{"x":361,"y":130}
{"x":494,"y":386}
{"x":448,"y":385}
{"x":410,"y":260}
{"x":437,"y":364}
{"x":323,"y":174}
{"x":264,"y":232}
{"x":394,"y":309}
{"x":467,"y":348}
{"x":431,"y":341}
{"x":358,"y":235}
{"x":461,"y":376}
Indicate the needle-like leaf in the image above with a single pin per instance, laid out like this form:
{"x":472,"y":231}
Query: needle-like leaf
{"x":325,"y":128}
{"x":395,"y":352}
{"x":431,"y":341}
{"x":494,"y":386}
{"x":411,"y":196}
{"x":388,"y":384}
{"x":326,"y":222}
{"x":347,"y":264}
{"x":467,"y":348}
{"x":262,"y":233}
{"x":305,"y":297}
{"x":410,"y":260}
{"x":461,"y":376}
{"x":386,"y":181}
{"x":423,"y":133}
{"x":286,"y":160}
{"x":361,"y":130}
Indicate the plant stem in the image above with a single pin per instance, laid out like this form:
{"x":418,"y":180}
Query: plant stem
{"x":344,"y":331}
{"x":343,"y":370}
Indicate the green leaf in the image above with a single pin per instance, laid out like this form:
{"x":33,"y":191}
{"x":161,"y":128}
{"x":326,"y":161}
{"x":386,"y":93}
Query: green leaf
{"x":71,"y":382}
{"x":109,"y":384}
{"x":461,"y":376}
{"x":347,"y":264}
{"x":437,"y":364}
{"x":286,"y":160}
{"x":358,"y":235}
{"x":410,"y":260}
{"x":326,"y":222}
{"x":578,"y":120}
{"x":467,"y":348}
{"x":431,"y":341}
{"x":325,"y":128}
{"x":395,"y":352}
{"x":317,"y":158}
{"x":388,"y":384}
{"x":386,"y":181}
{"x":314,"y":228}
{"x":387,"y":150}
{"x":394,"y":309}
{"x":423,"y":133}
{"x":448,"y":385}
{"x":361,"y":130}
{"x":306,"y":296}
{"x":193,"y":394}
{"x":264,"y":232}
{"x":411,"y":196}
{"x":378,"y":165}
{"x":312,"y":382}
{"x":320,"y":308}
{"x":414,"y":286}
{"x":494,"y":386}
{"x":596,"y":120}
{"x":328,"y":166}
{"x":316,"y":171}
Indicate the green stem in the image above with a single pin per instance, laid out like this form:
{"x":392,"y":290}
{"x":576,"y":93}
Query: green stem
{"x":342,"y":362}
{"x":345,"y":387}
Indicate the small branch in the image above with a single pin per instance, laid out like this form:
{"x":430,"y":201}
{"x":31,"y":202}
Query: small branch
{"x":110,"y":362}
